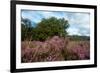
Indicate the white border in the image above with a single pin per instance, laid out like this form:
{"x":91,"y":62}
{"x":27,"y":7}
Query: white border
{"x":20,"y":65}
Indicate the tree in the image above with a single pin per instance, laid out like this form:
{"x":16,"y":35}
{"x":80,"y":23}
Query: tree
{"x":50,"y":27}
{"x":26,"y":29}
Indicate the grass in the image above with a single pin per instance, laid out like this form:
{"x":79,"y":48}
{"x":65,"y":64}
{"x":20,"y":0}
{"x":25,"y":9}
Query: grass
{"x":54,"y":49}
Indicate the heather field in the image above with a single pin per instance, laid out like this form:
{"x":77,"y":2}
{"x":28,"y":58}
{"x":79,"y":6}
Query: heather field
{"x":54,"y":49}
{"x":54,"y":36}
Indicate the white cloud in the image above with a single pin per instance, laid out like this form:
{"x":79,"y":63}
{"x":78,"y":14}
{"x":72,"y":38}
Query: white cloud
{"x":73,"y":31}
{"x":58,"y":14}
{"x":32,"y":15}
{"x":81,"y":22}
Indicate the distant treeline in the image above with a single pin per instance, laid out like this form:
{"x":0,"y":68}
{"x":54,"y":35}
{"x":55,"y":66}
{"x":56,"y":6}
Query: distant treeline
{"x":78,"y":38}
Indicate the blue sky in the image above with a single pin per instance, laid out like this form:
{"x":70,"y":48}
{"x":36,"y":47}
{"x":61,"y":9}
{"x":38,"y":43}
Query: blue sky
{"x":79,"y":22}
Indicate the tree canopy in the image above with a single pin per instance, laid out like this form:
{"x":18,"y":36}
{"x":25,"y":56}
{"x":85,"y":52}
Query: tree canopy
{"x":47,"y":27}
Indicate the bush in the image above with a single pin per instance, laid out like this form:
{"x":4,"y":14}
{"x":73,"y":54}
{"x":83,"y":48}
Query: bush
{"x":49,"y":50}
{"x":46,"y":28}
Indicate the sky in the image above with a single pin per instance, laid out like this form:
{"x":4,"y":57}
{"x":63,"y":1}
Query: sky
{"x":79,"y":22}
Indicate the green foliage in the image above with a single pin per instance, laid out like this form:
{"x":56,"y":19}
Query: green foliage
{"x":51,"y":27}
{"x":26,"y":29}
{"x":46,"y":28}
{"x":79,"y":38}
